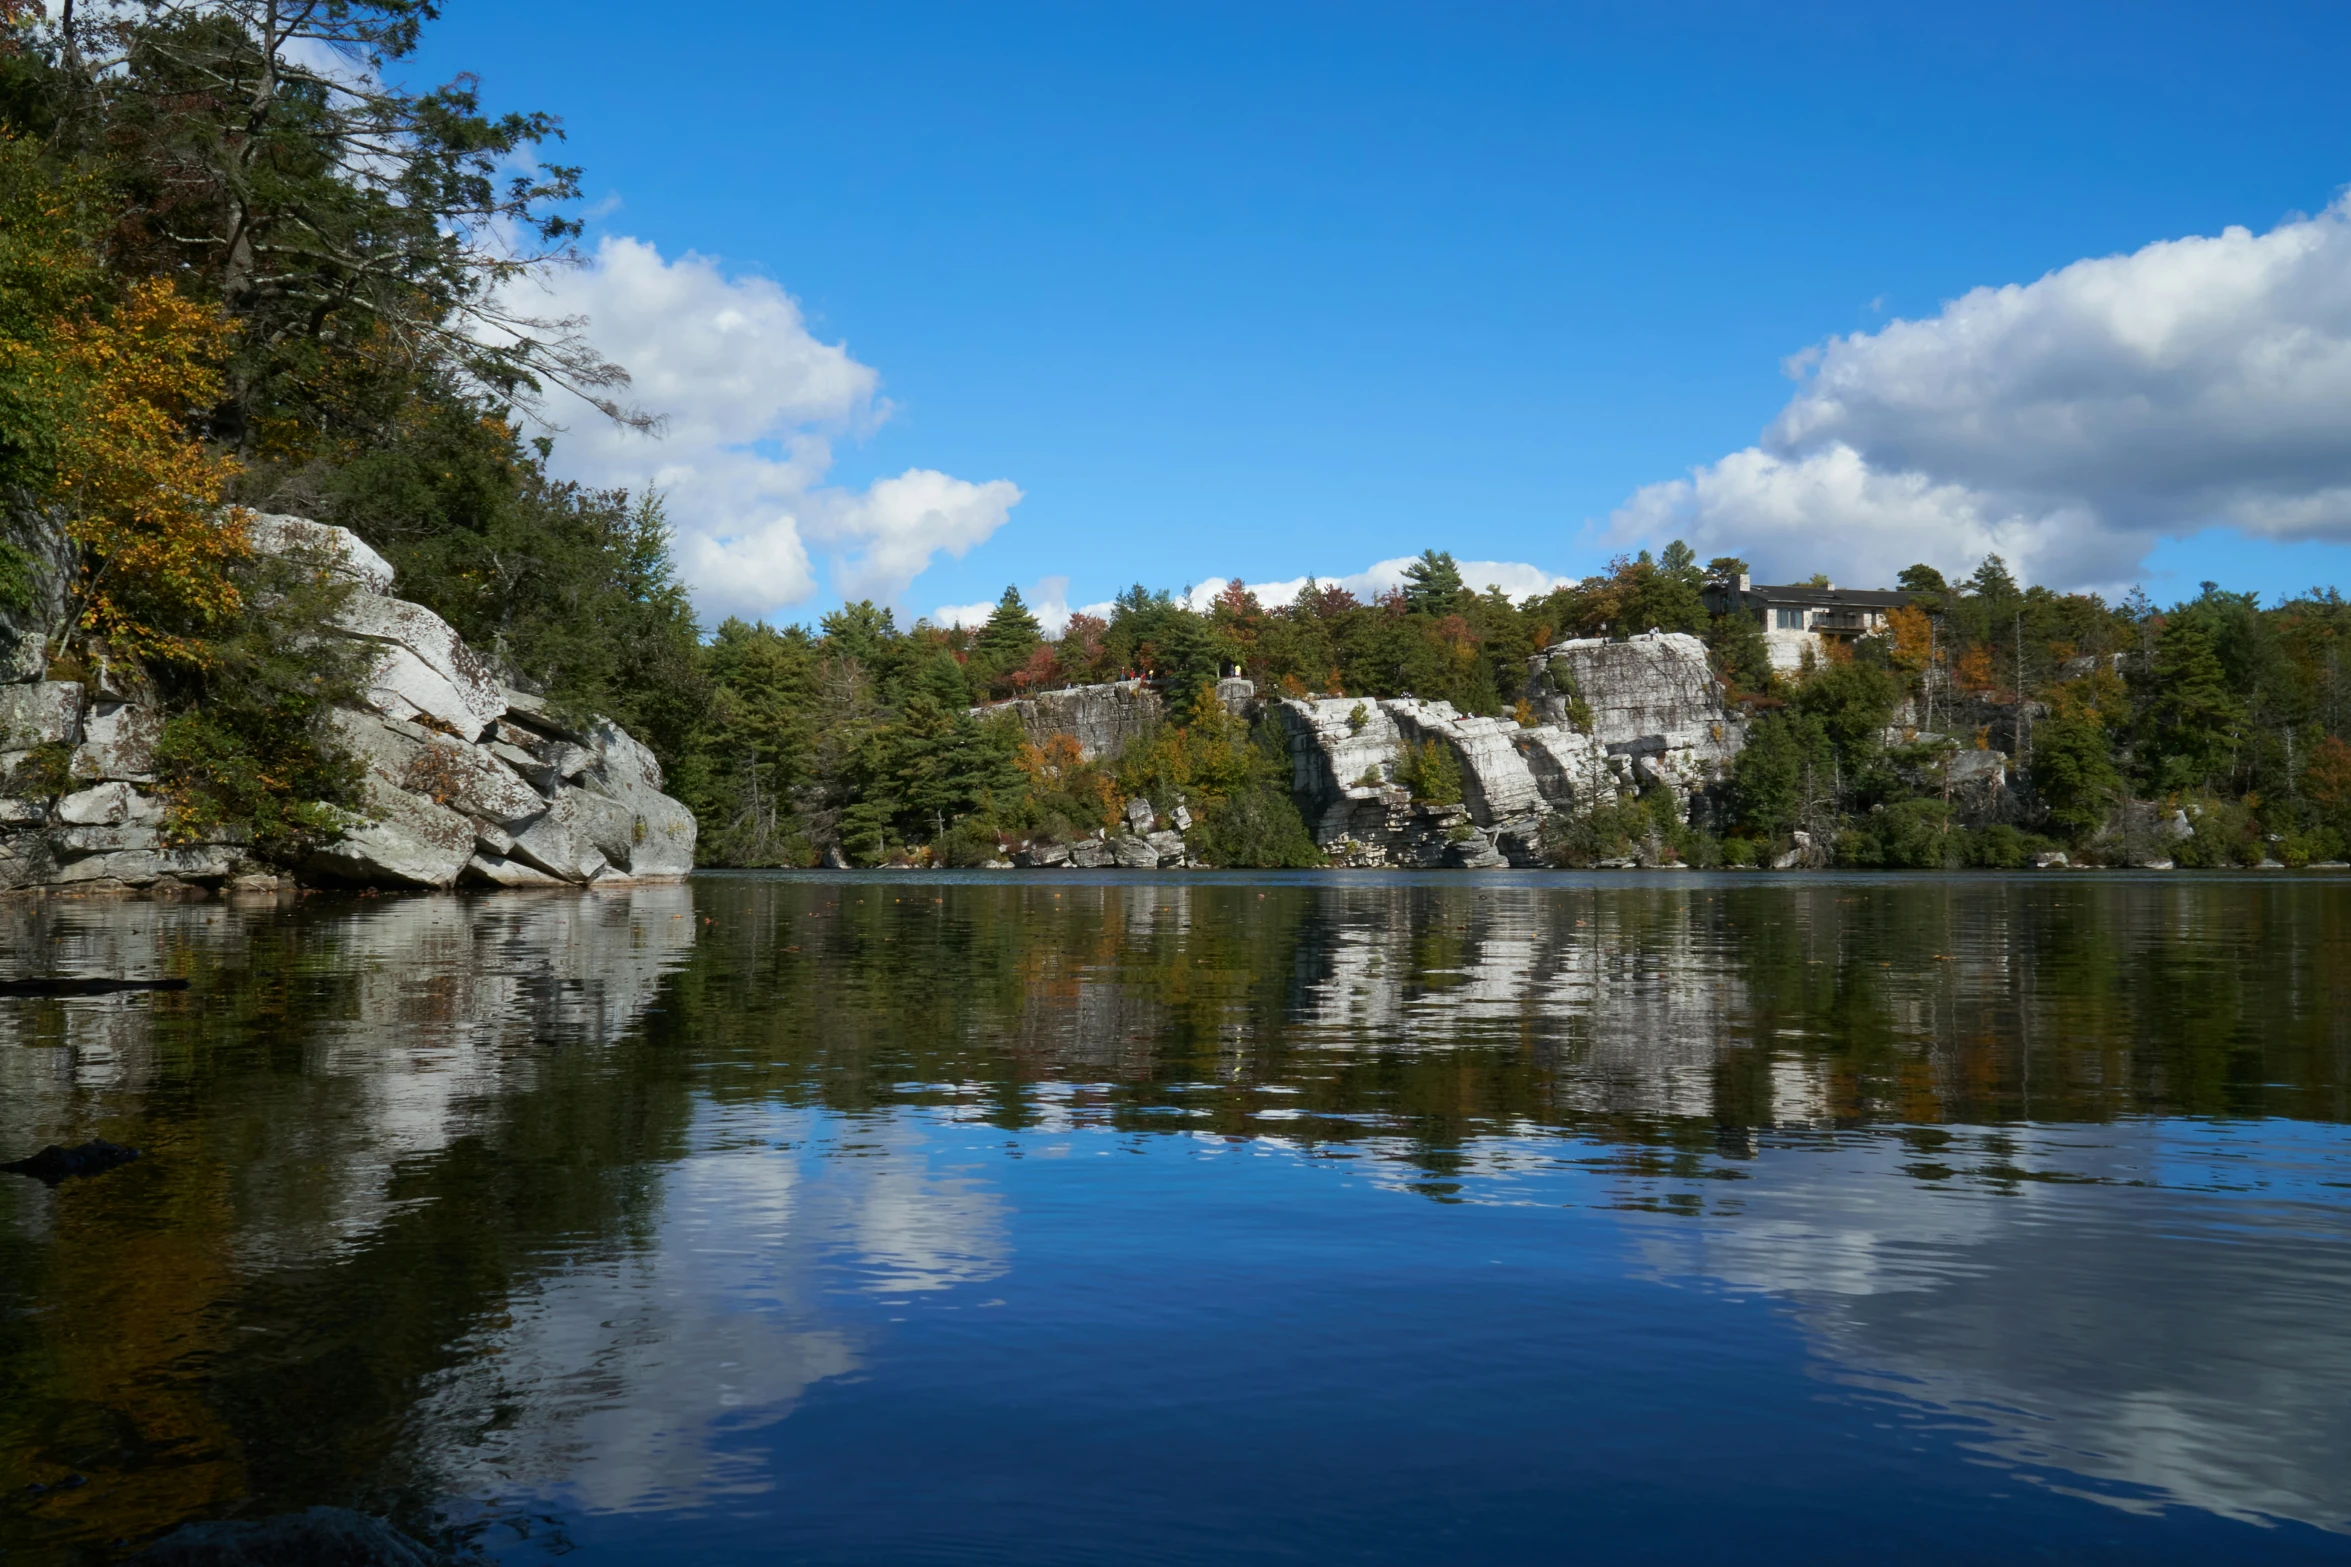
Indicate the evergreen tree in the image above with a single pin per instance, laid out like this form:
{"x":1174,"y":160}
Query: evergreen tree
{"x":1006,"y":641}
{"x":2194,"y":718}
{"x":2074,"y":771}
{"x":1992,"y":582}
{"x":1432,"y":584}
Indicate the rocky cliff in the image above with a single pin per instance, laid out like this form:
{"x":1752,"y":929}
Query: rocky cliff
{"x":465,"y":779}
{"x":1610,"y":717}
{"x":1101,"y":719}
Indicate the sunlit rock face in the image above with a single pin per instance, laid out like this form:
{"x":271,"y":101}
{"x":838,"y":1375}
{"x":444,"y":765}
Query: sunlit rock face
{"x":465,"y":779}
{"x":1608,"y":717}
{"x":1101,"y":719}
{"x":1650,"y":703}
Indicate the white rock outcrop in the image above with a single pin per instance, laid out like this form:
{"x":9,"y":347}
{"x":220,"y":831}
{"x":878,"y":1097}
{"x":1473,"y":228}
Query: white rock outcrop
{"x":464,"y":780}
{"x":423,"y":671}
{"x":1102,"y":719}
{"x":1612,"y":717}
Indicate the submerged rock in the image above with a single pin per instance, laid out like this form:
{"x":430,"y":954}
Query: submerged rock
{"x":54,"y":1163}
{"x":319,"y":1537}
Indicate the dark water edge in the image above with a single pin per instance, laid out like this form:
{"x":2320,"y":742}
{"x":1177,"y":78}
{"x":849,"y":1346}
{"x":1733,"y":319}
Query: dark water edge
{"x":1197,"y":1216}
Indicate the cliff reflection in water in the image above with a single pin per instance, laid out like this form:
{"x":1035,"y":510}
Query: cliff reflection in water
{"x":565,"y":1194}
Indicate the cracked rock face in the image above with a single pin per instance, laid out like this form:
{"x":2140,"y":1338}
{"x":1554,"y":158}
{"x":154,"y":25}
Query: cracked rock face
{"x":464,"y":780}
{"x":1614,"y":717}
{"x":1102,"y":719}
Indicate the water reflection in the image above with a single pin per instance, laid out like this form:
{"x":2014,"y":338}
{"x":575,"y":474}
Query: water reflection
{"x":583,"y":1197}
{"x":2133,"y":1338}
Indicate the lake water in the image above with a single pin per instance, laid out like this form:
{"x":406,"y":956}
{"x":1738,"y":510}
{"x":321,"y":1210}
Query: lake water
{"x":1197,"y":1218}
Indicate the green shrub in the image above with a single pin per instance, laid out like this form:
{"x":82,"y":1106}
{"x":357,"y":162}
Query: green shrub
{"x":1997,"y":847}
{"x":1432,"y":772}
{"x":42,"y":773}
{"x":1905,"y":835}
{"x":1258,"y":828}
{"x":969,"y":842}
{"x":2224,"y":834}
{"x":244,"y":749}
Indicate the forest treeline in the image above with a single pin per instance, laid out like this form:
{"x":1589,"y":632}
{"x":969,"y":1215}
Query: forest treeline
{"x":2123,"y":725}
{"x":231,"y":278}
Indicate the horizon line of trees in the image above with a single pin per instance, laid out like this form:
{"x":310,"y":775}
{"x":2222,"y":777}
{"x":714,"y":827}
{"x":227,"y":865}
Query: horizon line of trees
{"x":232,"y":279}
{"x":858,"y":733}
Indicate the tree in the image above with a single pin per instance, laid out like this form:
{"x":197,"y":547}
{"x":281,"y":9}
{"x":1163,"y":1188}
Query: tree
{"x":257,"y":149}
{"x":1006,"y":641}
{"x":1992,"y":582}
{"x":2073,"y":770}
{"x":1432,"y":584}
{"x":99,"y":385}
{"x":2194,"y":716}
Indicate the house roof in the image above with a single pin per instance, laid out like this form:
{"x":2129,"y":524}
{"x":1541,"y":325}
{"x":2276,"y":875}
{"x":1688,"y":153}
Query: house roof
{"x":1829,"y":598}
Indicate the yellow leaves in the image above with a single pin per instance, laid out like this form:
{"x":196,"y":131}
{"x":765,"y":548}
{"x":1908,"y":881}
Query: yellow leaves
{"x":1050,"y":764}
{"x":142,"y":494}
{"x":1974,"y":670}
{"x":1914,"y":636}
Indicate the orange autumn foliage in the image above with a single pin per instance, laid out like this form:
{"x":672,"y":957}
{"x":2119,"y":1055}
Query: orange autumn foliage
{"x":102,"y":389}
{"x":143,"y":496}
{"x":1914,"y":636}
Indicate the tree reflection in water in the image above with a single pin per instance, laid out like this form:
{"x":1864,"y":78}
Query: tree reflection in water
{"x":467,"y":1196}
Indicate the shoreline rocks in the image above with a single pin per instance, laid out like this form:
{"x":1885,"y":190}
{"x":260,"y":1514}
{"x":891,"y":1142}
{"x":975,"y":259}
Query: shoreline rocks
{"x":466,"y":781}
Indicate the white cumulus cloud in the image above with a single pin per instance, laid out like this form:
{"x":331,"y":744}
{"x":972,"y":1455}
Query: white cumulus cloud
{"x":1049,"y":599}
{"x":751,"y":402}
{"x":1516,"y":578}
{"x":2069,"y":423}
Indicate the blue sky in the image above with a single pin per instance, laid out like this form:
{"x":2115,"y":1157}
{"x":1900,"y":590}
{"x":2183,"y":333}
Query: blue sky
{"x":1278,"y":289}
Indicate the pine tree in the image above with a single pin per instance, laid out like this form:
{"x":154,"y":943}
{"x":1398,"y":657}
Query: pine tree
{"x":1432,"y":584}
{"x":2194,"y":716}
{"x":1007,"y":640}
{"x":1992,"y":582}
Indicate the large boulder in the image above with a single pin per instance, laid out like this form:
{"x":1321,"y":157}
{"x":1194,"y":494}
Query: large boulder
{"x":422,"y":671}
{"x":109,"y":804}
{"x":118,"y":741}
{"x":461,"y":777}
{"x":339,"y":551}
{"x":397,"y":839}
{"x":652,"y":833}
{"x":445,"y":771}
{"x":1496,"y":783}
{"x":563,"y":841}
{"x":1102,"y":719}
{"x":46,"y":712}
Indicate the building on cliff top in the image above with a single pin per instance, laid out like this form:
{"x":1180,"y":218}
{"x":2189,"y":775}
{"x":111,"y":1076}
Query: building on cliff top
{"x":1798,"y":618}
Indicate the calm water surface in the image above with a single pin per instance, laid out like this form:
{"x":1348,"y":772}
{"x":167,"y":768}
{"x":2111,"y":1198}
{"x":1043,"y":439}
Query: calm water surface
{"x":1197,"y":1219}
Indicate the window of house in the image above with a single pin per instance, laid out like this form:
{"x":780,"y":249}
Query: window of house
{"x":1789,"y":619}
